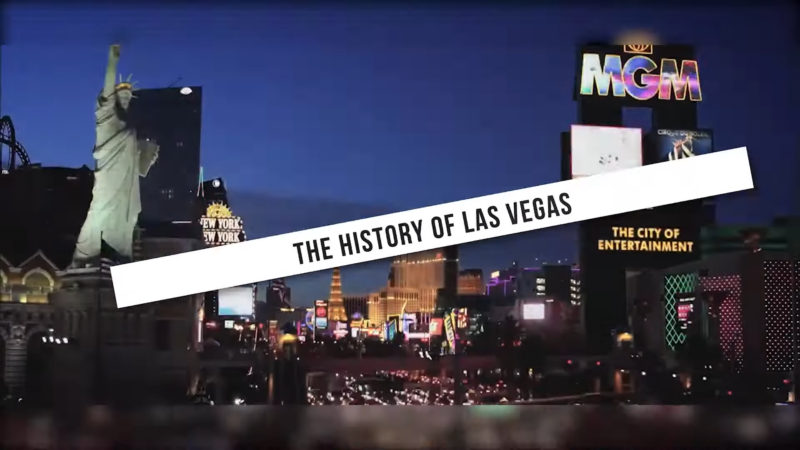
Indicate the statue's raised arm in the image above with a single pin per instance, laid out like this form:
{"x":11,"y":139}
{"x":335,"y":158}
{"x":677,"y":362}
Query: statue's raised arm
{"x":111,"y":71}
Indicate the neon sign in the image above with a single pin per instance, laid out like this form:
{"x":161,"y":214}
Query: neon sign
{"x":639,"y":77}
{"x":646,"y":239}
{"x":220,"y":226}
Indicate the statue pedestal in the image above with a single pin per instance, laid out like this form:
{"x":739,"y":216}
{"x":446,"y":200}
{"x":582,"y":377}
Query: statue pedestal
{"x":84,"y":302}
{"x":113,"y":359}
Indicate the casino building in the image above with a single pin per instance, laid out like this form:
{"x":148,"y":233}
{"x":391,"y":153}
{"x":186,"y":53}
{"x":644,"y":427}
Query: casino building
{"x":470,"y":282}
{"x":418,"y":283}
{"x":741,"y":295}
{"x":38,"y":328}
{"x":49,"y":326}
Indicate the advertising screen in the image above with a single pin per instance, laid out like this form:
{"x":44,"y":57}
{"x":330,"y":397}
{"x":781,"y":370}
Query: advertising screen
{"x":450,"y":332}
{"x":462,"y":319}
{"x":533,"y":311}
{"x":391,"y":330}
{"x":236,"y":301}
{"x":435,"y":327}
{"x":597,"y":150}
{"x":309,"y":321}
{"x":408,"y":321}
{"x":670,"y":145}
{"x":321,"y":314}
{"x":685,"y":309}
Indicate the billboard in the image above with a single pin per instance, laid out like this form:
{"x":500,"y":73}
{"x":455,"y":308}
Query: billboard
{"x":462,"y":319}
{"x":639,"y":73}
{"x":450,"y":332}
{"x":596,"y":150}
{"x":409,"y":321}
{"x":220,"y":226}
{"x":278,"y":294}
{"x":391,"y":329}
{"x":321,"y":314}
{"x":533,"y":311}
{"x":670,"y":145}
{"x":237,"y":301}
{"x":685,"y":310}
{"x":309,"y":320}
{"x":435,"y":327}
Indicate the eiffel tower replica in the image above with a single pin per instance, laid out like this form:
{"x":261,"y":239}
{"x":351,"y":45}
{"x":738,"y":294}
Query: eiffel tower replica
{"x":336,"y":311}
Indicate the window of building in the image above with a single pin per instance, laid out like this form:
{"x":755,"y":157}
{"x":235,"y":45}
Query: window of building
{"x":169,"y":193}
{"x":163,"y":329}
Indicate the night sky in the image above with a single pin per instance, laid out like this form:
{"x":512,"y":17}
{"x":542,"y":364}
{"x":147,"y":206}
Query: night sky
{"x":317,"y":116}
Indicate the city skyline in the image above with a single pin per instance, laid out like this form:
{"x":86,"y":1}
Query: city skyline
{"x":290,"y":117}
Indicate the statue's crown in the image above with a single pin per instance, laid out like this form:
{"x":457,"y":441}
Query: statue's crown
{"x":126,"y":84}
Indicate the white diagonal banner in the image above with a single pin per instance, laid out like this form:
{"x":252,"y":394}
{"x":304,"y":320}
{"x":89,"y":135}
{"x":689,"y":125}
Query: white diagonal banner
{"x":431,"y":227}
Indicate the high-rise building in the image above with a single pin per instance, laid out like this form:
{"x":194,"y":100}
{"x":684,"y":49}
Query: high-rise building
{"x":355,"y":306}
{"x":427,"y":272}
{"x":502,"y":283}
{"x":172,"y":118}
{"x":48,"y":206}
{"x":470,"y":282}
{"x":336,"y":311}
{"x":391,"y":301}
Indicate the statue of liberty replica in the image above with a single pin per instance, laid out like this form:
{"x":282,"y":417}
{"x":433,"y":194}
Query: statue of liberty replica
{"x":120,"y":160}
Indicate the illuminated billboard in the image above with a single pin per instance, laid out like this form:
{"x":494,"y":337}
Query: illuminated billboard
{"x":450,"y":332}
{"x":462,"y":319}
{"x":435,"y":327}
{"x":220,"y":226}
{"x":684,"y":311}
{"x":533,"y":311}
{"x":321,"y":314}
{"x":646,"y":239}
{"x":670,"y":145}
{"x":391,"y":330}
{"x":596,"y":150}
{"x":639,"y":73}
{"x":409,"y":321}
{"x":309,"y":320}
{"x":278,"y":294}
{"x":237,"y":301}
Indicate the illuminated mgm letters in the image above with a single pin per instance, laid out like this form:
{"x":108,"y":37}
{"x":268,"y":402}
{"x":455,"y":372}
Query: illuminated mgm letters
{"x":621,"y":79}
{"x":645,"y":239}
{"x":220,"y":226}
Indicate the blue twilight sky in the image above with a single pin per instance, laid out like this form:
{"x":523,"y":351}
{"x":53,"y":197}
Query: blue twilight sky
{"x":316,"y":116}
